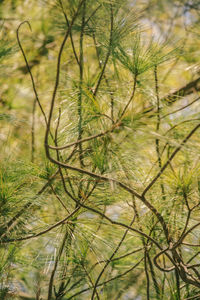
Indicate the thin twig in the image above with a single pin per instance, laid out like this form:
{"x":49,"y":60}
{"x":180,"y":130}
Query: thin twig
{"x":60,"y":251}
{"x":170,"y":159}
{"x":109,"y":280}
{"x":110,"y":259}
{"x":108,"y":53}
{"x":33,"y":132}
{"x":183,"y":107}
{"x":41,"y":232}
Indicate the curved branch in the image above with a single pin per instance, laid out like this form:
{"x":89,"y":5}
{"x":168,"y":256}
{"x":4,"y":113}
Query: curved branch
{"x":158,"y":266}
{"x":41,"y":232}
{"x":28,"y":67}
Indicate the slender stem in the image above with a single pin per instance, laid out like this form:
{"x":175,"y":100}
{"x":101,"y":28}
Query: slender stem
{"x":33,"y":132}
{"x":60,"y":251}
{"x":158,"y":127}
{"x":117,"y":258}
{"x":106,"y":80}
{"x":44,"y":231}
{"x":170,"y":159}
{"x":110,"y":259}
{"x":109,"y":280}
{"x":108,"y":53}
{"x":81,"y":68}
{"x":183,"y":107}
{"x":89,"y":138}
{"x":59,"y":199}
{"x":153,"y":275}
{"x":90,"y":279}
{"x":147,"y":276}
{"x":177,"y":285}
{"x":130,"y":100}
{"x":71,"y":37}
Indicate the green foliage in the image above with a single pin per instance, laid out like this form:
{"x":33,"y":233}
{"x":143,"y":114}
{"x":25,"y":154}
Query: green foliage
{"x":108,"y":206}
{"x":139,"y":58}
